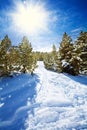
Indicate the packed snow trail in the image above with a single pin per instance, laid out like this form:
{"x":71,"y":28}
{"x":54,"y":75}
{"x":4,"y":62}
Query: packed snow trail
{"x":45,"y":101}
{"x":60,"y":102}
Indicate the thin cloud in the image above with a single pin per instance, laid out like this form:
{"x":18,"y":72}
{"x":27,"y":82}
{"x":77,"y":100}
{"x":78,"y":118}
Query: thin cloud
{"x":45,"y":44}
{"x":76,"y":30}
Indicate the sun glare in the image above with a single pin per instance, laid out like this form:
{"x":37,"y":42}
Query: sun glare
{"x":30,"y":18}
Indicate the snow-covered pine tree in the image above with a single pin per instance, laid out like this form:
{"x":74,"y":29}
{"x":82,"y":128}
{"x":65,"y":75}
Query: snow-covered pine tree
{"x":65,"y":51}
{"x":48,"y":61}
{"x":39,"y":55}
{"x":57,"y":64}
{"x":28,"y":62}
{"x":66,"y":47}
{"x":52,"y":60}
{"x":81,"y":49}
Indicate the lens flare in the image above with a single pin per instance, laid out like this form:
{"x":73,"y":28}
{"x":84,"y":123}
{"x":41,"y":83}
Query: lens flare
{"x":30,"y":17}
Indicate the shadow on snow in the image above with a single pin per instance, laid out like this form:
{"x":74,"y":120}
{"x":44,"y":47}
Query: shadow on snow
{"x":15,"y":92}
{"x":82,"y":79}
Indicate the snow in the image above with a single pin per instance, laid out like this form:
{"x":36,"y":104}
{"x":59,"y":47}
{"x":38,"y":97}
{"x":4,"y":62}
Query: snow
{"x":61,"y":102}
{"x":1,"y":104}
{"x":15,"y":94}
{"x":44,"y":101}
{"x":64,"y":63}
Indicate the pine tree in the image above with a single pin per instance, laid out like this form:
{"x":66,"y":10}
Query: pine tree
{"x":81,"y":50}
{"x":48,"y":61}
{"x":1,"y":63}
{"x":54,"y":57}
{"x":66,"y":55}
{"x":28,"y":62}
{"x":57,"y":64}
{"x":66,"y":47}
{"x":14,"y":59}
{"x":4,"y":53}
{"x":52,"y":60}
{"x":54,"y":50}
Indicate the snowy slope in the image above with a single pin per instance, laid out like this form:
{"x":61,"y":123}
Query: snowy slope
{"x":60,"y":102}
{"x":45,"y":101}
{"x":14,"y":94}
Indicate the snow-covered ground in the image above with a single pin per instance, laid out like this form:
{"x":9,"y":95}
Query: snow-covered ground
{"x":46,"y":101}
{"x":60,"y":102}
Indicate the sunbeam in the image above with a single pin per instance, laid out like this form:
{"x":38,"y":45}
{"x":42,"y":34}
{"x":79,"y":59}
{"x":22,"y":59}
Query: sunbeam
{"x":30,"y":17}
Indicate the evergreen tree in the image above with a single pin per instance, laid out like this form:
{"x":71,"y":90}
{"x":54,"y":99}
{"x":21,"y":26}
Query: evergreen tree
{"x":54,"y":50}
{"x":81,"y":50}
{"x":66,"y":48}
{"x":52,"y":60}
{"x":28,"y":62}
{"x":68,"y":59}
{"x":4,"y":55}
{"x":54,"y":57}
{"x":14,"y":59}
{"x":39,"y":55}
{"x":48,"y":61}
{"x":57,"y":64}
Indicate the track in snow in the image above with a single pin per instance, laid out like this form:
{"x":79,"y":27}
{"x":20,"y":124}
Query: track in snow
{"x":46,"y":101}
{"x":61,"y":102}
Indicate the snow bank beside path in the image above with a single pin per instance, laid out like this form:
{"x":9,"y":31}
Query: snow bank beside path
{"x":14,"y":94}
{"x":60,"y":102}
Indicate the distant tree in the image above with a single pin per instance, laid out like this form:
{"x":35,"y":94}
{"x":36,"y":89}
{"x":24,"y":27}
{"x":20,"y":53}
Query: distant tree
{"x":54,"y":50}
{"x":57,"y":64}
{"x":54,"y":57}
{"x":39,"y":55}
{"x":52,"y":60}
{"x":48,"y":61}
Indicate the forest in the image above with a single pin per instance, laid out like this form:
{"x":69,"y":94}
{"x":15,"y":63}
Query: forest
{"x":70,"y":57}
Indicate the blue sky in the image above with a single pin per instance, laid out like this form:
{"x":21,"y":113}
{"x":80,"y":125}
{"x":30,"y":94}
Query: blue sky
{"x":65,"y":16}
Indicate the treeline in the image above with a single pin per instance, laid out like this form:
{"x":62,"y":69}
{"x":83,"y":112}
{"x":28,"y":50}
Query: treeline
{"x":71,"y":56}
{"x":16,"y":58}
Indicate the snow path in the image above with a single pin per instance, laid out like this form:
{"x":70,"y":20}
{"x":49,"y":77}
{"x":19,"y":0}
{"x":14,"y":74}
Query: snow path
{"x":44,"y":101}
{"x":60,"y":102}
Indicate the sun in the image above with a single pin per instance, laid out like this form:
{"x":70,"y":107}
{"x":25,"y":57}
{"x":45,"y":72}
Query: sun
{"x":30,"y":18}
